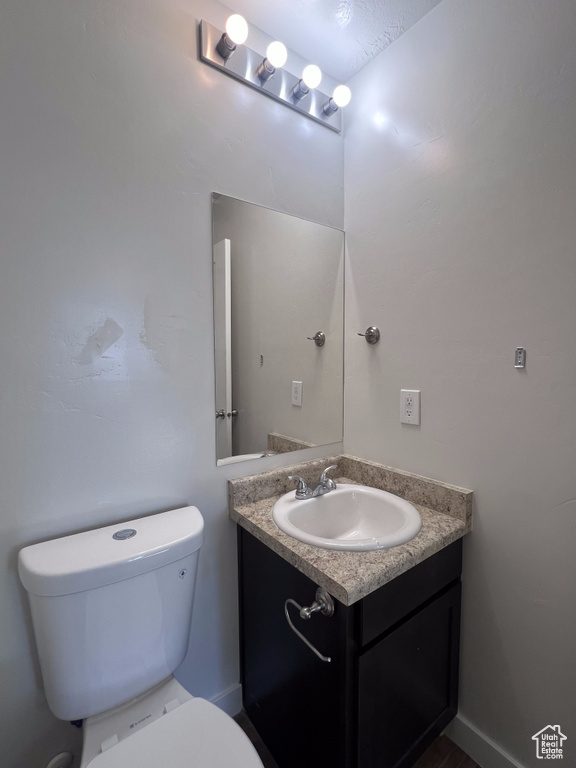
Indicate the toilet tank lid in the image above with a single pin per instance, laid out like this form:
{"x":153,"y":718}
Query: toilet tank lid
{"x":98,"y":557}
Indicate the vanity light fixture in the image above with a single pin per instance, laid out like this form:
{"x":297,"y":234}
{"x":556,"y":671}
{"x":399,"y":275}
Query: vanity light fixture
{"x":276,"y":55}
{"x":236,"y":34}
{"x":340,"y":98}
{"x":255,"y":70}
{"x":311,"y":78}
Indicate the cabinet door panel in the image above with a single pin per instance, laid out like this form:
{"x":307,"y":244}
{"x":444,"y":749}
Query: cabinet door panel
{"x":294,"y":699}
{"x":408,"y":685}
{"x":387,"y":606}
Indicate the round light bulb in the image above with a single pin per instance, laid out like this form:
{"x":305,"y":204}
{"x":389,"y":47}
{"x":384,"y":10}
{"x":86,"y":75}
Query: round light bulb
{"x":237,"y":28}
{"x":277,"y":54}
{"x":342,"y":95}
{"x":312,"y":76}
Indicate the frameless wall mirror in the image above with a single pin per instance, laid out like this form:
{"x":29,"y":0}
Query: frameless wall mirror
{"x":278,"y":331}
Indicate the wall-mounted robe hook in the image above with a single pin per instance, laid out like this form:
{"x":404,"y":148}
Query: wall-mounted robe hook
{"x":319,"y":338}
{"x":372,"y":335}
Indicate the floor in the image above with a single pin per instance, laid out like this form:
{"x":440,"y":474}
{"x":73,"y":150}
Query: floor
{"x":443,"y":753}
{"x":244,"y":723}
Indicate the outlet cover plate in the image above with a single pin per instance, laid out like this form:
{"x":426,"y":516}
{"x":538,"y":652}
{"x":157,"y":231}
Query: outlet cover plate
{"x":410,"y":406}
{"x":297,"y":393}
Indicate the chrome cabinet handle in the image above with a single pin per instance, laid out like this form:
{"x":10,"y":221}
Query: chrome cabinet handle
{"x":233,"y":412}
{"x":323,"y":604}
{"x":221,"y":414}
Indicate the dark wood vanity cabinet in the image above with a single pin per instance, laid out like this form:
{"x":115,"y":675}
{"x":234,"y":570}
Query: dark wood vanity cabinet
{"x":391,"y":686}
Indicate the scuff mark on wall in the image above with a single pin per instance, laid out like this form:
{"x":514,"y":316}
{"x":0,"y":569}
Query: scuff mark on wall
{"x":100,"y":341}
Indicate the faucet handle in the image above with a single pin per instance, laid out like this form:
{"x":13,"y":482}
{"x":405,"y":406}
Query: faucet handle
{"x":327,"y":481}
{"x":302,"y":491}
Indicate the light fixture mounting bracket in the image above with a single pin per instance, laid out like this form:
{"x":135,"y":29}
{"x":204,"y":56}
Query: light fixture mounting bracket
{"x":243,"y":66}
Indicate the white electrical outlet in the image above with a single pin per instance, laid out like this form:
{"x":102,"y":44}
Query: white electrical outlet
{"x":297,"y":393}
{"x":410,"y":406}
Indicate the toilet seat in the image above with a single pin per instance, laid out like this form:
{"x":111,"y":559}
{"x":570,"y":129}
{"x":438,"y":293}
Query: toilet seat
{"x":194,"y":735}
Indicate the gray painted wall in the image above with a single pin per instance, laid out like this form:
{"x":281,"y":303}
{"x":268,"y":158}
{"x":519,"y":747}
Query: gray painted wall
{"x":112,"y":137}
{"x":461,"y":228}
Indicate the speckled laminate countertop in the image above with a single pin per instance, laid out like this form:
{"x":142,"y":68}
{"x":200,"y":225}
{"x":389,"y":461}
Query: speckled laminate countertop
{"x":446,"y":513}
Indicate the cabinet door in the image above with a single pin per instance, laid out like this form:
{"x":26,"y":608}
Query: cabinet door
{"x":294,"y":699}
{"x":408,"y":685}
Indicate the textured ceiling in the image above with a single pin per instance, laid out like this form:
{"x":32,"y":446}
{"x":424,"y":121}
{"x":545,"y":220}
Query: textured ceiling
{"x":341,"y":36}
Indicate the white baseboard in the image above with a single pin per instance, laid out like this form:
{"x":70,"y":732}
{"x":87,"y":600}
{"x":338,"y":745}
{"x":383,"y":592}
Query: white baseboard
{"x":230,"y":701}
{"x":480,"y":747}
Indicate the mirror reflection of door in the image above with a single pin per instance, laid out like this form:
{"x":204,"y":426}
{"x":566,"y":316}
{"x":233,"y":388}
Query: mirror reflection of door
{"x":223,"y":347}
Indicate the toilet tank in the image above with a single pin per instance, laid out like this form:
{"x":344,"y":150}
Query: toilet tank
{"x":111,"y":608}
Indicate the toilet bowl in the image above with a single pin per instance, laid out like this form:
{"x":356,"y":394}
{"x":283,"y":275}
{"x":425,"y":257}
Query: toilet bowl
{"x":111,"y":611}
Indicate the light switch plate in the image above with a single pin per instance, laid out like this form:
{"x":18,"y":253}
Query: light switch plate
{"x":410,"y":406}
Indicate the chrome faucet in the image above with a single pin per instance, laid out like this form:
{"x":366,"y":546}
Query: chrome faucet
{"x":325,"y":485}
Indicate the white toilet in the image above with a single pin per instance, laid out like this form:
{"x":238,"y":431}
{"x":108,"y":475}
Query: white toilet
{"x":111,"y":610}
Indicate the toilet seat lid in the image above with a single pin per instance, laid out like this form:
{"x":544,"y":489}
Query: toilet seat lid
{"x":194,"y":735}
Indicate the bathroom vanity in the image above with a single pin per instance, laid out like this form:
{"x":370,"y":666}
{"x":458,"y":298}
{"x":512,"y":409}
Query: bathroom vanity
{"x":390,"y":685}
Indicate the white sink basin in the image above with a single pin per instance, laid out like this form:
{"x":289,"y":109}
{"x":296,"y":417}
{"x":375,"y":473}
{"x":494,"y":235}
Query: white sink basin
{"x":352,"y":517}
